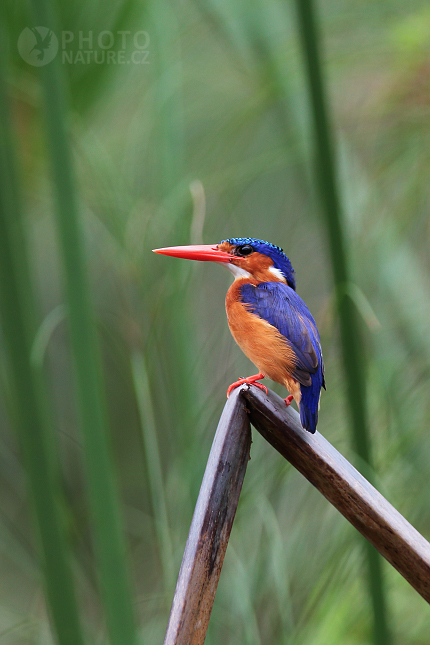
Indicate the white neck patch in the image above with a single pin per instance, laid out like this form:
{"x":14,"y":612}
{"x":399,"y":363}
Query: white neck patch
{"x":238,"y":272}
{"x":277,"y":273}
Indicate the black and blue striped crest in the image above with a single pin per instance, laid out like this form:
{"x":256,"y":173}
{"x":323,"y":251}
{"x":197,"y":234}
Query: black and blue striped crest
{"x":280,"y":260}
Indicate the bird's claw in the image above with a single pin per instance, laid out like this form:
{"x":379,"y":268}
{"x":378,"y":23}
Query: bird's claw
{"x":289,"y":400}
{"x":249,"y":380}
{"x":261,"y":386}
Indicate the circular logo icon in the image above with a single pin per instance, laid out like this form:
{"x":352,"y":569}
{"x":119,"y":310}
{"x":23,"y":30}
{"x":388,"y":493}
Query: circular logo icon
{"x":38,"y":45}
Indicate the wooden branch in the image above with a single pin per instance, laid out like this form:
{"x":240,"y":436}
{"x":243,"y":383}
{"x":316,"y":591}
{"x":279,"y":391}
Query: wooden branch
{"x":343,"y":486}
{"x":210,"y":527}
{"x":321,"y":464}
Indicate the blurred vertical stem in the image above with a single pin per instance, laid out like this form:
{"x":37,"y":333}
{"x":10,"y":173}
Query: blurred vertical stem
{"x":352,"y":349}
{"x":103,"y":495}
{"x":153,"y":464}
{"x":28,"y":405}
{"x":176,"y":208}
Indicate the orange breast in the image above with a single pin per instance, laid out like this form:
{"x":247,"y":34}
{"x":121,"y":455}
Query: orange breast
{"x":259,"y":340}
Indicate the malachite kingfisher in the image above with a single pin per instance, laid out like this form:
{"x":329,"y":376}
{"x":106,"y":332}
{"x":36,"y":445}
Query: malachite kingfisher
{"x":268,"y":320}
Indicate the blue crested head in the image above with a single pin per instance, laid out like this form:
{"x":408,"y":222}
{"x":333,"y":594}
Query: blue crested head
{"x":277,"y":255}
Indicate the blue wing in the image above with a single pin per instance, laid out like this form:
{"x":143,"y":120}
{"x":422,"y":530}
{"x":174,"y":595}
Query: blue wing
{"x":280,"y":305}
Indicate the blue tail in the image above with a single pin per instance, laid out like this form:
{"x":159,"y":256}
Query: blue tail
{"x":310,"y":401}
{"x":308,"y":418}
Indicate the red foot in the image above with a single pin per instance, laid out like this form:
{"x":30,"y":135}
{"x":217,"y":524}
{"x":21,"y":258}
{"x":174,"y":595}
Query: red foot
{"x":289,"y":400}
{"x":249,"y":379}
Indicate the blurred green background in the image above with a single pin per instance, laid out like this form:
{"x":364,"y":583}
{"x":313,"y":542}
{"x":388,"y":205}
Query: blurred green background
{"x":206,"y":134}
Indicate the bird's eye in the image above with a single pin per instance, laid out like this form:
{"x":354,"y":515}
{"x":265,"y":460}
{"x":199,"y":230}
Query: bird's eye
{"x":244,"y":250}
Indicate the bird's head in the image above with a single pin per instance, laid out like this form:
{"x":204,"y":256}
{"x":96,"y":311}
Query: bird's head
{"x":244,"y":256}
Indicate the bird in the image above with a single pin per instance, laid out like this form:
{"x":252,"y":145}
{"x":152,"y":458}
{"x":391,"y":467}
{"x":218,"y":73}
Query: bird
{"x":268,"y":319}
{"x":41,"y":43}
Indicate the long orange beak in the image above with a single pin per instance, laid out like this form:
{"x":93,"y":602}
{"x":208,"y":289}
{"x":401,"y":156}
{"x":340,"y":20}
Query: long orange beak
{"x":205,"y":252}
